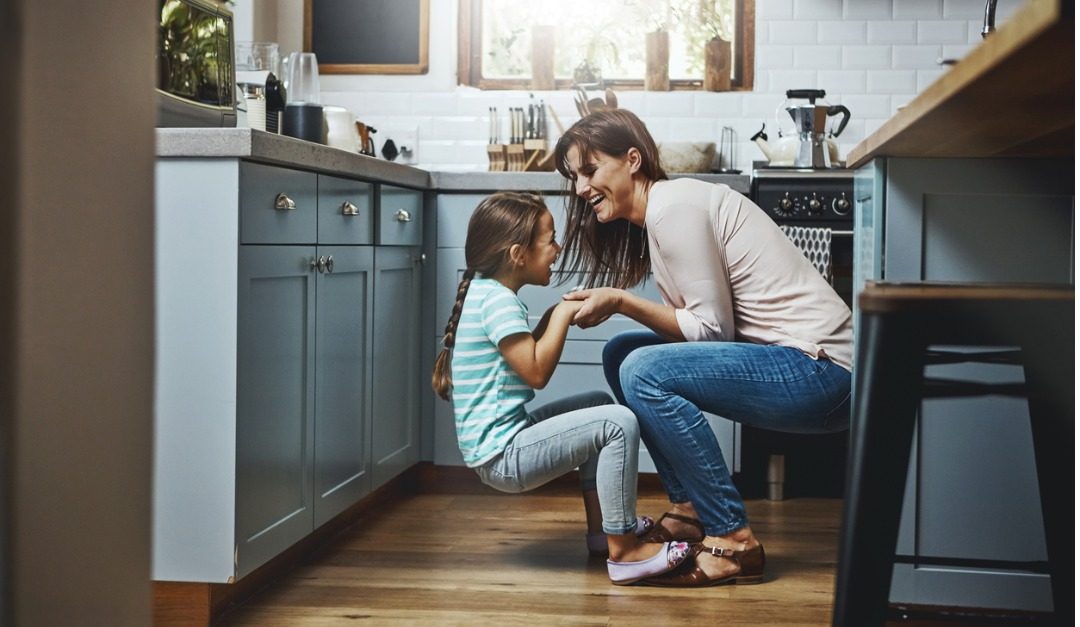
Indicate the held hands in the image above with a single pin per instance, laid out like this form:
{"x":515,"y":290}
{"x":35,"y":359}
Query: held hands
{"x":596,"y":305}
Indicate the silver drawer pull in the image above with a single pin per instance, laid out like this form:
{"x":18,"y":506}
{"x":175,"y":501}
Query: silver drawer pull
{"x":403,"y":216}
{"x":322,"y":263}
{"x":330,"y":264}
{"x":284,"y":203}
{"x":349,"y":209}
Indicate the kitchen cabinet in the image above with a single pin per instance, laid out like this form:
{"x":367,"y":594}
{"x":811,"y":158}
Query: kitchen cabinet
{"x":267,"y":291}
{"x":580,"y":366}
{"x":397,"y":375}
{"x":971,"y":529}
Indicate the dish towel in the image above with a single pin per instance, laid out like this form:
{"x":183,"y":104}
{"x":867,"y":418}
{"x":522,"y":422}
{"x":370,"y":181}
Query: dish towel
{"x":815,"y":243}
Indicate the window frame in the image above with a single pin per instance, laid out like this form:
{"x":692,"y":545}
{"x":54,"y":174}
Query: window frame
{"x":470,"y":51}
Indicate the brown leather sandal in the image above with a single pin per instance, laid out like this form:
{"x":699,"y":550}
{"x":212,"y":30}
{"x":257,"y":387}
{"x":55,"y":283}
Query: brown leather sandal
{"x":659,"y":534}
{"x":689,"y":575}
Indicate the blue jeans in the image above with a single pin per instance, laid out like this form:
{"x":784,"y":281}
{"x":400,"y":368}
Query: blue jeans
{"x":669,"y":384}
{"x":585,"y":431}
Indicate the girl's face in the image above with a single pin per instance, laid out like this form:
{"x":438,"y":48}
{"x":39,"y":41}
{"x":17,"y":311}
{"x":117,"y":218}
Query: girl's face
{"x":542,"y":253}
{"x":605,"y":182}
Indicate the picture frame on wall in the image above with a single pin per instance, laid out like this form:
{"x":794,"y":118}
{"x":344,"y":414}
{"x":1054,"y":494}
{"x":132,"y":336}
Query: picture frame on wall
{"x":368,"y":36}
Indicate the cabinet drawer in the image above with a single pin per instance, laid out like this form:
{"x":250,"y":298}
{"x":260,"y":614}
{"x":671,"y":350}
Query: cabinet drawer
{"x":401,"y":216}
{"x":266,"y":193}
{"x":346,"y":211}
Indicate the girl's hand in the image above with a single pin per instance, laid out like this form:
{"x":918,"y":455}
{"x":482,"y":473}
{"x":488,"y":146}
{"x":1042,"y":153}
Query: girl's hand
{"x":597,"y":305}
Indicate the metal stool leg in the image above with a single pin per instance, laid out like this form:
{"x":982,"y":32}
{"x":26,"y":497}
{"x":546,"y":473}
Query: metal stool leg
{"x":1048,"y":370}
{"x":888,"y":378}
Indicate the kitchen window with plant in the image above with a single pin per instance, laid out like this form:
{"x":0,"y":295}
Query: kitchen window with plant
{"x":624,"y":44}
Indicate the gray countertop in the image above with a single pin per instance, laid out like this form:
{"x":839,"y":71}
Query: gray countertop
{"x":245,"y":143}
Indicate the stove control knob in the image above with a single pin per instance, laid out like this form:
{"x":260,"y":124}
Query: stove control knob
{"x":785,"y":207}
{"x":842,"y":205}
{"x":815,"y":205}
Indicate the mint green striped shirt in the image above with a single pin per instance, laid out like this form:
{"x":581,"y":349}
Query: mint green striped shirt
{"x":489,"y":397}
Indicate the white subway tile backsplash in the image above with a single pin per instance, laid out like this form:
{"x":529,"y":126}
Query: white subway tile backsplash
{"x":891,"y":32}
{"x":667,"y":103}
{"x":957,"y":51}
{"x":433,"y":103}
{"x":388,"y":103}
{"x":924,"y":78}
{"x":461,"y":127}
{"x":818,"y":9}
{"x":867,"y":57}
{"x":915,"y":57}
{"x":897,"y":102}
{"x":868,"y":9}
{"x":818,"y":57}
{"x":692,"y":129}
{"x":964,"y":9}
{"x":837,"y":82}
{"x":476,"y":102}
{"x":943,"y":32}
{"x":762,"y":105}
{"x":783,"y":32}
{"x":917,"y":9}
{"x":774,"y":9}
{"x":890,"y":82}
{"x":842,"y":32}
{"x":865,"y":105}
{"x":774,"y":57}
{"x":783,"y":80}
{"x":718,"y":104}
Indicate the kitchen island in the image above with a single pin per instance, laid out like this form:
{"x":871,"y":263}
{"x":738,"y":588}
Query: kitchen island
{"x":973,"y":182}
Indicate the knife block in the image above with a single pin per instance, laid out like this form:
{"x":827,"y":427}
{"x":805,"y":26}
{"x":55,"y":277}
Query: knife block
{"x":537,"y":157}
{"x":496,"y":157}
{"x":515,"y":157}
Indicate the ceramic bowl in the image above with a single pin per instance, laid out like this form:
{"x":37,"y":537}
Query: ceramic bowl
{"x":687,"y":156}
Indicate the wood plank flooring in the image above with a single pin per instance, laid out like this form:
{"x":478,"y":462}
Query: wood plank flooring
{"x":488,"y":558}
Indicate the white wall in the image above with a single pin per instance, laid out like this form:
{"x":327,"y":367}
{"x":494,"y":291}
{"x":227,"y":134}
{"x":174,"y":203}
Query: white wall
{"x":870,"y":55}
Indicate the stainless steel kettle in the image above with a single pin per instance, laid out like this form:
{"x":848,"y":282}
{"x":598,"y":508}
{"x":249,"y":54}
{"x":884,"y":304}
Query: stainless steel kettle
{"x":811,"y":127}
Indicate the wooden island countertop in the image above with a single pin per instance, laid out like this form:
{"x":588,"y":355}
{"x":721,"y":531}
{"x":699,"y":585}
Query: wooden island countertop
{"x":1011,"y":96}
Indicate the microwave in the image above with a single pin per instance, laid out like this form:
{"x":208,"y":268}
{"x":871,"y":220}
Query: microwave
{"x":196,"y":83}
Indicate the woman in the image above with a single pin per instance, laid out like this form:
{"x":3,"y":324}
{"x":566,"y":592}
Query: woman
{"x":748,"y":329}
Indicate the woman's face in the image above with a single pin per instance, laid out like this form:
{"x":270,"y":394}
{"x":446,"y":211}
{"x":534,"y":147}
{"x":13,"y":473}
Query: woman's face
{"x":605,"y":182}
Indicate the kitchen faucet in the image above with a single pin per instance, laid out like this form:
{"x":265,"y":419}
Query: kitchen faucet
{"x":988,"y":17}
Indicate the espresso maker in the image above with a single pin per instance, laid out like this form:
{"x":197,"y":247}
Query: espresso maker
{"x":813,"y":150}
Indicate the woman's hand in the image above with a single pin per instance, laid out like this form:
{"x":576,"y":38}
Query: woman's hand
{"x":597,"y":305}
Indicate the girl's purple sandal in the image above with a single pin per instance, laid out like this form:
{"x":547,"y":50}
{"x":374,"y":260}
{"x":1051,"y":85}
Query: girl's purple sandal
{"x":671,"y":555}
{"x":597,"y":542}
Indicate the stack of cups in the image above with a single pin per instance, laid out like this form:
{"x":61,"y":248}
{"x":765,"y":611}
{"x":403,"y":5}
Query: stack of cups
{"x":303,"y":116}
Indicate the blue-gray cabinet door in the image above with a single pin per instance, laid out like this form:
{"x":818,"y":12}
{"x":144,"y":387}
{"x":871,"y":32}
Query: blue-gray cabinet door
{"x":275,"y":401}
{"x":397,"y":376}
{"x":345,"y":291}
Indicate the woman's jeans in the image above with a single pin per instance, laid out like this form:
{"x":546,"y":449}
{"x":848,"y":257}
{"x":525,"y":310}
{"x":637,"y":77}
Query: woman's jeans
{"x":669,"y":385}
{"x":587,"y":431}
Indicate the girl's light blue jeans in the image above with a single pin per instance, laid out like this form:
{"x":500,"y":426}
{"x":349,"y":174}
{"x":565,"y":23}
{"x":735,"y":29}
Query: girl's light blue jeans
{"x":585,"y":431}
{"x":669,"y":384}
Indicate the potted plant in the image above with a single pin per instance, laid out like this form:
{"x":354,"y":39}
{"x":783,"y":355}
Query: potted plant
{"x":718,"y":28}
{"x":657,"y":50}
{"x":597,"y":50}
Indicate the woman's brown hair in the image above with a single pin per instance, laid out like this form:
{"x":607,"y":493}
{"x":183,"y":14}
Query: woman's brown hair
{"x":614,"y":253}
{"x":500,"y":221}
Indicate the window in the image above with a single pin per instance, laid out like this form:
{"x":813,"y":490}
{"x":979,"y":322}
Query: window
{"x":600,"y":40}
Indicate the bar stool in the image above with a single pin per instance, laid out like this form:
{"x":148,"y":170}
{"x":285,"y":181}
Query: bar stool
{"x":898,"y":323}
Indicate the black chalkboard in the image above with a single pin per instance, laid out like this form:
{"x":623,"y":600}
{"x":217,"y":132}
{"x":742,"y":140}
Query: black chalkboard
{"x":367,"y":36}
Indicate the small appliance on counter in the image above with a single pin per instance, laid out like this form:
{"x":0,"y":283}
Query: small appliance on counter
{"x":303,"y":116}
{"x":258,"y":64}
{"x":806,"y":142}
{"x":196,"y":72}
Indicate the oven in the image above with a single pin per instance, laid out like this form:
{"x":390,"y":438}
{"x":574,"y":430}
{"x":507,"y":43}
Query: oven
{"x":783,"y":465}
{"x":807,"y":197}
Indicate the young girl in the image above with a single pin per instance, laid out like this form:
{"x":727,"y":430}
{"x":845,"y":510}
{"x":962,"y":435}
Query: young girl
{"x":497,"y":363}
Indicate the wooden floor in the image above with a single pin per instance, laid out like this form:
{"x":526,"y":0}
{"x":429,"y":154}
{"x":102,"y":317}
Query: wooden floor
{"x":489,"y":558}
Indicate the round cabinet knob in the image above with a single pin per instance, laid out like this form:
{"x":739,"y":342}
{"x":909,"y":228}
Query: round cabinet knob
{"x":321,"y":264}
{"x":349,"y":209}
{"x":815,"y":205}
{"x":842,"y":205}
{"x":402,"y":216}
{"x":329,"y":264}
{"x":282,"y":202}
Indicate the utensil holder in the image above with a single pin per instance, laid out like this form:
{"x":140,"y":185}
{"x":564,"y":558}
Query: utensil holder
{"x":515,"y":157}
{"x":496,"y":157}
{"x":537,"y":157}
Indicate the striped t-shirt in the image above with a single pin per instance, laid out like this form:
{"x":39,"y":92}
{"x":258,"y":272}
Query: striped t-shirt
{"x":489,"y":397}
